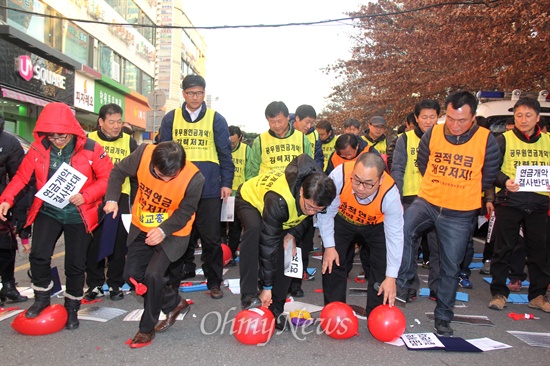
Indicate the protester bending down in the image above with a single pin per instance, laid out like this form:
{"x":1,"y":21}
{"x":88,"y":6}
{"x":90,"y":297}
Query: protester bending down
{"x":162,"y":217}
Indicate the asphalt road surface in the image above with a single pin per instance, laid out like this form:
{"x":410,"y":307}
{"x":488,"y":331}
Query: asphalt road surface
{"x":204,"y":336}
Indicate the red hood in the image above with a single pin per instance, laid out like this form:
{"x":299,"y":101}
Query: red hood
{"x":57,"y":118}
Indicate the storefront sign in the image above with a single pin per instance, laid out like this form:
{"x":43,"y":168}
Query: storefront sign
{"x":28,"y":72}
{"x":135,"y":112}
{"x":105,"y":95}
{"x":84,"y":92}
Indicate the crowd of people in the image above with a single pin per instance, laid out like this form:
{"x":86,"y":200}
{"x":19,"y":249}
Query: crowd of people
{"x":384,"y":198}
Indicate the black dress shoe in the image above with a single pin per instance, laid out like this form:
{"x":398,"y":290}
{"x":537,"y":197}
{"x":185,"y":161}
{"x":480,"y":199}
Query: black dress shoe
{"x":216,"y":292}
{"x":187,"y":274}
{"x":182,"y":308}
{"x":297,"y":292}
{"x":250,"y":302}
{"x":142,"y":339}
{"x":116,"y":294}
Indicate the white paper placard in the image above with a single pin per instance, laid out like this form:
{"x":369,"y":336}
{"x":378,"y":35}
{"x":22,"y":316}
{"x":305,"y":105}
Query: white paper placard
{"x":65,"y":183}
{"x":228,"y":209}
{"x":295,"y":267}
{"x":421,"y":341}
{"x":533,"y":178}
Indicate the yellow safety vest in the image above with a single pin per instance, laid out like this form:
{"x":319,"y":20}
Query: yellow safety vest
{"x":239,"y":159}
{"x":412,"y":176}
{"x":254,"y":190}
{"x":328,"y":148}
{"x":521,"y":153}
{"x":117,"y":150}
{"x":313,"y":137}
{"x":197,"y":138}
{"x":380,"y":146}
{"x":277,"y":153}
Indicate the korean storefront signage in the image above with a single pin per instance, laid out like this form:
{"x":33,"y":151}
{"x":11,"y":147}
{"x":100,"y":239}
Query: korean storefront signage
{"x":29,"y":72}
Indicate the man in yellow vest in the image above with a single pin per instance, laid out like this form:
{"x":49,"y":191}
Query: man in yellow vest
{"x":240,"y":152}
{"x":204,"y":135}
{"x":117,"y":145}
{"x":407,"y":177}
{"x":272,"y":208}
{"x":369,"y":206}
{"x":374,"y":134}
{"x":458,"y":160}
{"x":515,"y":208}
{"x":278,"y":146}
{"x":162,"y":217}
{"x":328,"y":139}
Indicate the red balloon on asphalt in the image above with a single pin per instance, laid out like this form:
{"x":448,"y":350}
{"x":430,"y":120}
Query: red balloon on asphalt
{"x":254,"y":326}
{"x":339,"y":321}
{"x":386,"y":324}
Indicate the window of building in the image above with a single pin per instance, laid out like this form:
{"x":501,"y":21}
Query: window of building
{"x":131,"y":74}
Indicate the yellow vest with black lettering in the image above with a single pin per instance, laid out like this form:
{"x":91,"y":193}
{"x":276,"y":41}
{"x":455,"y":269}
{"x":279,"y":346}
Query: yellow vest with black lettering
{"x":313,"y":137}
{"x":380,"y":146}
{"x":362,"y":214}
{"x":197,"y":138}
{"x":254,"y":190}
{"x":156,"y":200}
{"x":239,"y":159}
{"x":521,"y":153}
{"x":277,"y":153}
{"x":412,"y":176}
{"x":328,"y":148}
{"x":454,"y":172}
{"x":117,"y":150}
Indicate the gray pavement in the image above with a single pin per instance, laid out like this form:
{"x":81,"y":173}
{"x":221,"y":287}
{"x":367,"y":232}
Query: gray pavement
{"x":204,"y":338}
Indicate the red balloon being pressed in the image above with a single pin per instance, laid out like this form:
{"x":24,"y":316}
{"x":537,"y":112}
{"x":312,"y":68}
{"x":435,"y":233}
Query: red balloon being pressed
{"x":386,"y":324}
{"x":339,"y":321}
{"x":254,"y":326}
{"x":52,"y":319}
{"x":227,"y":255}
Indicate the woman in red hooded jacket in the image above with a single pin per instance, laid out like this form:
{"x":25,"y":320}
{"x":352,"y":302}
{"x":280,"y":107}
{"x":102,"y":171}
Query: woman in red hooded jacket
{"x":59,"y":139}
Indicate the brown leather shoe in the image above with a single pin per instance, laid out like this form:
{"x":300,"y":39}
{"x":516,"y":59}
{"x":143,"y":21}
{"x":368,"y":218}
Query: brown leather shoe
{"x":216,"y":292}
{"x":182,"y":308}
{"x":142,"y":339}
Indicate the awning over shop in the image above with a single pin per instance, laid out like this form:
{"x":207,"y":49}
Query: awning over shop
{"x":23,"y":97}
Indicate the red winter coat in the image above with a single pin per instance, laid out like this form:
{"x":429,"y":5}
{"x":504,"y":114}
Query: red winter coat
{"x":88,"y":157}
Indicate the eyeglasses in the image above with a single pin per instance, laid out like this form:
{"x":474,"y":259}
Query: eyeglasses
{"x":356,"y":182}
{"x":57,"y":138}
{"x":198,"y":94}
{"x":312,"y":208}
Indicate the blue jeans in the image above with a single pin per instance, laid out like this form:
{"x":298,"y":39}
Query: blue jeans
{"x":453,"y":231}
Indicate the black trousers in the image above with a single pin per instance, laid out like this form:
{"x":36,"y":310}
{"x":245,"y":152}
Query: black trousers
{"x":95,"y":270}
{"x":77,"y":241}
{"x":507,"y":223}
{"x":234,"y":234}
{"x":7,"y":264}
{"x":335,"y":283}
{"x":149,"y":265}
{"x":207,"y":228}
{"x":250,"y":257}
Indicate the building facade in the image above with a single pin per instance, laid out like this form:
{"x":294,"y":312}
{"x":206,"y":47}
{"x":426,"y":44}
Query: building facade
{"x":87,"y":53}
